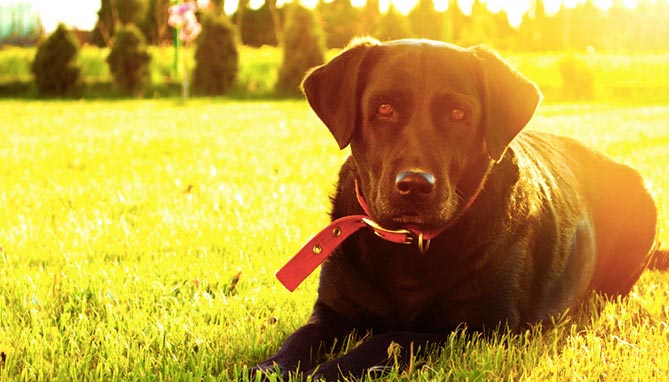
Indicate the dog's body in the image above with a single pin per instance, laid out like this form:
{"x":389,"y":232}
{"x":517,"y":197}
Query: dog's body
{"x":529,"y":223}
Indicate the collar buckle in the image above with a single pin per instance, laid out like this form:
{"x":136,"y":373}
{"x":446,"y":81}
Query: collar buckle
{"x":399,"y":236}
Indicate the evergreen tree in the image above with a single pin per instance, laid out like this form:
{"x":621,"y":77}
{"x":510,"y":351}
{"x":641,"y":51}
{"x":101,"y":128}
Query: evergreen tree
{"x":578,"y":80}
{"x":392,"y":26}
{"x":238,"y":17}
{"x":258,"y":27}
{"x":104,"y":27}
{"x":370,"y":16}
{"x":129,"y":61}
{"x":216,"y":56}
{"x":218,"y":6}
{"x":426,"y":22}
{"x":303,"y":49}
{"x":341,"y":22}
{"x":130,"y":11}
{"x":117,"y":11}
{"x":154,"y":26}
{"x":277,"y":23}
{"x":55,"y":68}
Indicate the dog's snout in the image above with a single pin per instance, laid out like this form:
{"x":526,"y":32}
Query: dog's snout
{"x":415,"y":183}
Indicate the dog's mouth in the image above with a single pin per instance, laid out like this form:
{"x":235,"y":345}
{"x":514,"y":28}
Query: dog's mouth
{"x":415,"y":222}
{"x":396,"y":213}
{"x":412,"y":220}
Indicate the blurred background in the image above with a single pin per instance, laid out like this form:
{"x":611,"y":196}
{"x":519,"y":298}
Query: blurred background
{"x":574,"y":49}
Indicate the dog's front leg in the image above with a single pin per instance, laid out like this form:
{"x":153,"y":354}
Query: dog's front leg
{"x":375,"y":356}
{"x":305,"y":348}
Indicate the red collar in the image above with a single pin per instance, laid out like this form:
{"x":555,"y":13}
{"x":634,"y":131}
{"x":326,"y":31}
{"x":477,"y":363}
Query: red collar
{"x":327,"y":240}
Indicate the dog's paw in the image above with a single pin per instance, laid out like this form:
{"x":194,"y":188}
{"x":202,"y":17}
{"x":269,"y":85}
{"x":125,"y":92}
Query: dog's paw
{"x":267,"y":371}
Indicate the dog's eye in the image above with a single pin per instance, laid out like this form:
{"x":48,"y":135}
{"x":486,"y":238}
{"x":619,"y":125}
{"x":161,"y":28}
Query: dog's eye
{"x":385,"y":110}
{"x":458,"y":115}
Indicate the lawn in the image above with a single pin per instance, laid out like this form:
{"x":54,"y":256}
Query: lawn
{"x":139,"y":241}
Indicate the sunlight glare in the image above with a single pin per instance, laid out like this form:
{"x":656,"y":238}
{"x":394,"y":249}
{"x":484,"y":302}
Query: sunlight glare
{"x":604,"y":4}
{"x":74,"y":13}
{"x":629,"y":4}
{"x":83,"y":13}
{"x":441,"y":5}
{"x":466,"y":6}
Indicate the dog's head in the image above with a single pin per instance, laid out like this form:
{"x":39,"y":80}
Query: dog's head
{"x":424,"y":119}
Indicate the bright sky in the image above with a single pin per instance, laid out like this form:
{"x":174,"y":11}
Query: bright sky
{"x":83,"y":13}
{"x":80,"y":13}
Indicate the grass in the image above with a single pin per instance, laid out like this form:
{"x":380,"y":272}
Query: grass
{"x":640,"y":76}
{"x":138,"y":241}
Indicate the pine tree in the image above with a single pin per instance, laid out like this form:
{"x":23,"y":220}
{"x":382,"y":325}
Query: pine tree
{"x":426,"y":22}
{"x":341,"y":22}
{"x":129,"y":61}
{"x":392,"y":26}
{"x":303,"y":49}
{"x":55,"y":68}
{"x":216,"y":56}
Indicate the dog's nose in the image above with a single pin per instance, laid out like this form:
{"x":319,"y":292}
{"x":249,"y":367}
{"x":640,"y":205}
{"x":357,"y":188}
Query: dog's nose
{"x":415,"y":183}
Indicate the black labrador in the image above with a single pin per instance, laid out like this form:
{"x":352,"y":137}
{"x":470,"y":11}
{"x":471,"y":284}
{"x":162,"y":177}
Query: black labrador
{"x":507,"y":227}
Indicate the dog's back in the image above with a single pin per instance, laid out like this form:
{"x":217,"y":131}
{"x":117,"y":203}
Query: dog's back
{"x":620,"y":209}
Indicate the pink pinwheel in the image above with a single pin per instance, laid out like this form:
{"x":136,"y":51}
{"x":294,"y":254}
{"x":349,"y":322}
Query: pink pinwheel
{"x":182,"y":17}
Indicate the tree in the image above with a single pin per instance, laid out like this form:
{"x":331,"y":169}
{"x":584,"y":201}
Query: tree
{"x":117,"y":11}
{"x":480,"y":26}
{"x":154,"y":26}
{"x":370,"y":16}
{"x":216,"y":56}
{"x":276,"y":20}
{"x":578,"y":80}
{"x":257,"y":28}
{"x":392,"y":25}
{"x":130,"y":11}
{"x":129,"y":61}
{"x":426,"y":22}
{"x":218,"y":5}
{"x":303,"y":48}
{"x":55,"y":68}
{"x":457,"y":23}
{"x":242,"y":5}
{"x":341,"y":22}
{"x":104,"y":27}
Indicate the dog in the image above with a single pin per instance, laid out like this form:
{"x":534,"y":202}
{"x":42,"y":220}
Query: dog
{"x":447,"y":213}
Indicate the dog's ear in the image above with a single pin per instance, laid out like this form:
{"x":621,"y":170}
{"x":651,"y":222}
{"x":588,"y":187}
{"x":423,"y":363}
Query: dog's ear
{"x":510,"y":100}
{"x":331,"y":90}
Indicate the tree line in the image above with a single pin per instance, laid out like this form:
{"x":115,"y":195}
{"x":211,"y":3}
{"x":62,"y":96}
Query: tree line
{"x":618,"y":28}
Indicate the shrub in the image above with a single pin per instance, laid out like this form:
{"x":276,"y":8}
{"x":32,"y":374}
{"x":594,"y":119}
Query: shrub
{"x":216,"y":56}
{"x":54,"y":68}
{"x":303,"y":49}
{"x":129,"y":61}
{"x":578,"y":80}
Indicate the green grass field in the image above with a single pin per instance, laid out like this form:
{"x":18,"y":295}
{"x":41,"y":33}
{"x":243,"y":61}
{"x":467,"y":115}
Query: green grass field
{"x":139,"y":239}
